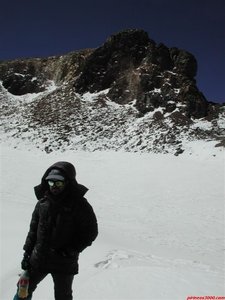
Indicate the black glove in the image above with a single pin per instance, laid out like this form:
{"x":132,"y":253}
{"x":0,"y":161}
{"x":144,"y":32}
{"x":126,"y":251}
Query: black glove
{"x":25,"y":263}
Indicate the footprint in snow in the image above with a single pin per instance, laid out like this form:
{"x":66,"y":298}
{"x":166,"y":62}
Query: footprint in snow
{"x":113,"y":259}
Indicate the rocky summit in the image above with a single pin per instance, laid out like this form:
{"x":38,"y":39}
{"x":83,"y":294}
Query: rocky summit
{"x":129,"y":94}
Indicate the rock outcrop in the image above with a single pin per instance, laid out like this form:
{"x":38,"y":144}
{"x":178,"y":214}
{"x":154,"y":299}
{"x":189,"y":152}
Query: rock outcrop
{"x":132,"y":66}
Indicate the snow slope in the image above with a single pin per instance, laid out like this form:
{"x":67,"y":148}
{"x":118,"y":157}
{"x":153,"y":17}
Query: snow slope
{"x":161,"y":223}
{"x":60,"y":119}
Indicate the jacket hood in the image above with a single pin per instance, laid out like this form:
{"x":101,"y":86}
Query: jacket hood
{"x":66,"y":168}
{"x":69,"y":172}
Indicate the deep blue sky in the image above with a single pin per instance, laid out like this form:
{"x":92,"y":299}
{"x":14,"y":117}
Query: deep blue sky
{"x":38,"y":28}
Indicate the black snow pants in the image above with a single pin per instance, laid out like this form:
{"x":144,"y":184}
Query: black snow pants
{"x":62,"y":284}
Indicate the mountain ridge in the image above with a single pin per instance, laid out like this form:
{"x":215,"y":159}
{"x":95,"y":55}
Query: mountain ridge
{"x":128,"y":94}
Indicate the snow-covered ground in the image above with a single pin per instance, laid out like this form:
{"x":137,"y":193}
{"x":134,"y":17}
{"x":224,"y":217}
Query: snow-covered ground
{"x":161,"y":223}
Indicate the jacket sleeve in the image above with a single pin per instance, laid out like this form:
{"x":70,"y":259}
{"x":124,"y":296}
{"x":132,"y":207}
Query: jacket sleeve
{"x":32,"y":234}
{"x":88,"y":229}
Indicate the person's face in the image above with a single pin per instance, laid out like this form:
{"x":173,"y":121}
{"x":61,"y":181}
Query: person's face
{"x":56,"y":187}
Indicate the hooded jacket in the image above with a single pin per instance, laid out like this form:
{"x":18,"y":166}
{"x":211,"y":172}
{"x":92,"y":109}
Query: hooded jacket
{"x":61,"y":226}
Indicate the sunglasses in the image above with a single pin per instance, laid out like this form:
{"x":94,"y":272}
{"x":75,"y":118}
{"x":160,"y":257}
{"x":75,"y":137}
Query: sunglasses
{"x":58,"y":184}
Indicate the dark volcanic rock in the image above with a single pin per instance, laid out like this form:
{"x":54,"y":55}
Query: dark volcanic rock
{"x":133,"y":67}
{"x":20,"y":77}
{"x":120,"y":52}
{"x":183,"y":62}
{"x":20,"y":84}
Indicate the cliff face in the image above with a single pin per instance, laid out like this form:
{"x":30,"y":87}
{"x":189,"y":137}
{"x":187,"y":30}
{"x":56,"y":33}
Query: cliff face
{"x":21,"y":77}
{"x":152,"y":86}
{"x":133,"y":67}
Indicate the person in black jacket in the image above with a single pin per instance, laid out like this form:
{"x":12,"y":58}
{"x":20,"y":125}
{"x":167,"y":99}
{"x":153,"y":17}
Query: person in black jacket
{"x":63,"y":224}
